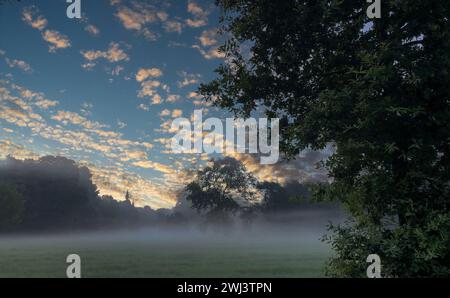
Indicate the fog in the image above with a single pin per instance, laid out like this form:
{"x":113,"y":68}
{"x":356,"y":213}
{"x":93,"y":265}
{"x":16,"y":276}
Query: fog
{"x":305,"y":227}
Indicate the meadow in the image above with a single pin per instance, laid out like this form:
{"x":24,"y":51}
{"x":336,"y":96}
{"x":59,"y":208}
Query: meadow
{"x":164,"y":254}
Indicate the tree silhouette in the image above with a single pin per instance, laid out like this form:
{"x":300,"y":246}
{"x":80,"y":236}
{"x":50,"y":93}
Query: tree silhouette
{"x":221,"y":188}
{"x":12,"y":207}
{"x":58,"y":194}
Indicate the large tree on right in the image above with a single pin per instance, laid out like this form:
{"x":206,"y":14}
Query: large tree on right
{"x":379,"y":91}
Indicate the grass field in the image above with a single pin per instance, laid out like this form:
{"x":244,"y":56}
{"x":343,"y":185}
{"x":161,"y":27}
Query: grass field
{"x":165,"y":255}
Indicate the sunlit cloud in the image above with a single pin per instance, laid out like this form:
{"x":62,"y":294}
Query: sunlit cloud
{"x":199,"y":13}
{"x":209,"y":38}
{"x":19,"y":64}
{"x":188,"y":79}
{"x":148,"y":88}
{"x":143,"y":74}
{"x":148,"y":164}
{"x":113,"y":54}
{"x":56,"y":39}
{"x":138,"y":16}
{"x":173,"y":26}
{"x":29,"y":15}
{"x":212,"y":53}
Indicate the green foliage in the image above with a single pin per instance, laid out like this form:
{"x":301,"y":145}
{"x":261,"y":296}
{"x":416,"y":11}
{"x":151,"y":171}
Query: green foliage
{"x":405,"y":251}
{"x":378,"y":90}
{"x":11,"y":207}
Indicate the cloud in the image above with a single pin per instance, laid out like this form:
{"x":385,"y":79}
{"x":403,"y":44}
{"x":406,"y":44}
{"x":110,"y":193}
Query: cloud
{"x":121,"y":124}
{"x":86,"y":108}
{"x":93,"y":30}
{"x":7,"y":147}
{"x":173,"y":98}
{"x":88,"y":66}
{"x":302,"y":169}
{"x":15,"y":116}
{"x":177,"y":113}
{"x":35,"y":98}
{"x":156,"y":99}
{"x":113,"y":54}
{"x":149,"y":35}
{"x":212,"y":53}
{"x":196,"y":23}
{"x":209,"y":38}
{"x":188,"y":79}
{"x":56,"y":39}
{"x":36,"y":22}
{"x":194,"y":95}
{"x":148,"y":164}
{"x":138,"y":16}
{"x":15,"y":110}
{"x":198,"y":100}
{"x":117,"y":70}
{"x":143,"y":74}
{"x":148,"y":88}
{"x":144,"y":107}
{"x":164,"y":113}
{"x":45,"y":103}
{"x":197,"y":10}
{"x":67,"y":117}
{"x":173,"y":26}
{"x":134,"y":155}
{"x":19,"y":64}
{"x":200,"y":14}
{"x":114,"y":181}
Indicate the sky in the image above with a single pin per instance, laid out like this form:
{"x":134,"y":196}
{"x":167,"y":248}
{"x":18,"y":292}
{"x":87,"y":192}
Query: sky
{"x":102,"y":90}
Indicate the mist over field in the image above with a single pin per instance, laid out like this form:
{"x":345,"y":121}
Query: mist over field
{"x":259,"y":250}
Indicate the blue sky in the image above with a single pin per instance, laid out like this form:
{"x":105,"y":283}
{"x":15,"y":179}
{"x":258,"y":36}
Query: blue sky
{"x":102,"y":90}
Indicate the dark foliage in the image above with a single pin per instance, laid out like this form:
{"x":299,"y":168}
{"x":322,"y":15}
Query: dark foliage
{"x":376,"y":89}
{"x":57,"y":194}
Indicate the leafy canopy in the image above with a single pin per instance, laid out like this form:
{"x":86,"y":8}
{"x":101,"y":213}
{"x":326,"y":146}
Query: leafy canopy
{"x":378,"y":90}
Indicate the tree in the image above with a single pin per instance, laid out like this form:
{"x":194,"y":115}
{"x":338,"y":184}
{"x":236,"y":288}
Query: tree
{"x":288,"y":197}
{"x":221,"y":188}
{"x":375,"y":89}
{"x":58,"y":193}
{"x":11,"y":207}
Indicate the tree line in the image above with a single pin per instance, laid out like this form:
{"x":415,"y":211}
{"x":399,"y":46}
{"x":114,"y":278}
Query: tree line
{"x":54,"y":193}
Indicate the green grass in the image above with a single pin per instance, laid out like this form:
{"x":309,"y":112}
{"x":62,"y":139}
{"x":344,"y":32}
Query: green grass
{"x":163,"y":258}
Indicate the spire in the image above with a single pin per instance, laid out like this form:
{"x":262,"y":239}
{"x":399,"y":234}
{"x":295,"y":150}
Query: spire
{"x":129,"y":198}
